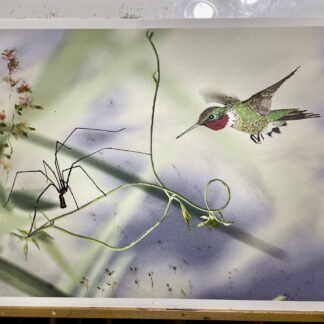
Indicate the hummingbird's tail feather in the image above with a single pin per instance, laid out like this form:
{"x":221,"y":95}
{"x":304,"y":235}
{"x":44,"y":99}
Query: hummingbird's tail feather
{"x":299,"y":114}
{"x":282,"y":116}
{"x":291,"y":114}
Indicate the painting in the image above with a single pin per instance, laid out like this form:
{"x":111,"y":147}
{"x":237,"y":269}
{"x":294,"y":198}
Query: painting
{"x":163,"y":163}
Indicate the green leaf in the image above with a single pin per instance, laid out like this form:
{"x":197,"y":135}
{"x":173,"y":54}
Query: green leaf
{"x":225,"y":223}
{"x":202,"y":224}
{"x":35,"y":242}
{"x":213,"y":221}
{"x":44,"y":236}
{"x":23,"y":232}
{"x":18,"y":107}
{"x":26,"y":249}
{"x":221,"y":219}
{"x":186,"y":216}
{"x":20,"y":237}
{"x":155,"y":79}
{"x":37,"y":107}
{"x":26,"y":282}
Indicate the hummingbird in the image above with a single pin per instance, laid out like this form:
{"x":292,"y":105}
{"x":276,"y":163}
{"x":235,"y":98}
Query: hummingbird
{"x":252,"y":116}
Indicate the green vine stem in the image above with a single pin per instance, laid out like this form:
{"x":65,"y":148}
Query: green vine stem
{"x":126,"y":247}
{"x":172,"y":195}
{"x":156,"y":78}
{"x":214,"y":215}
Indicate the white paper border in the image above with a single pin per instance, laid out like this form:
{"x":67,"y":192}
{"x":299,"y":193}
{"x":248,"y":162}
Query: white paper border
{"x":165,"y":303}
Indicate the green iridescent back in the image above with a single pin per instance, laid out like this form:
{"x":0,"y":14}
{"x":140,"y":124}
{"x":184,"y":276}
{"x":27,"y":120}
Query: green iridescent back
{"x":247,"y":119}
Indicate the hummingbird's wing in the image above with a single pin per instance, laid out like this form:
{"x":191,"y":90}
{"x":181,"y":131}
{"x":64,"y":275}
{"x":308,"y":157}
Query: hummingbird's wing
{"x":261,"y":101}
{"x":217,"y":96}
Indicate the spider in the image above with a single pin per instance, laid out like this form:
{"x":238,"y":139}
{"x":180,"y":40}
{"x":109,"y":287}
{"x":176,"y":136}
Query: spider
{"x":61,"y":178}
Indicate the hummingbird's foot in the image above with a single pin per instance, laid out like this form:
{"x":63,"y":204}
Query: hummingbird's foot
{"x":256,"y":139}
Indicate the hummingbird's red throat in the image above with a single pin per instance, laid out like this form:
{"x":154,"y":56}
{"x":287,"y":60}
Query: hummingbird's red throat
{"x":218,"y":123}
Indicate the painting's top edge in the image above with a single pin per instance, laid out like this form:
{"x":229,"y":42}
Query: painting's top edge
{"x":65,"y":23}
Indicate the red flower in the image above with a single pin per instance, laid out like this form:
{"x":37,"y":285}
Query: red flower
{"x":9,"y":55}
{"x":2,"y":116}
{"x":24,"y":87}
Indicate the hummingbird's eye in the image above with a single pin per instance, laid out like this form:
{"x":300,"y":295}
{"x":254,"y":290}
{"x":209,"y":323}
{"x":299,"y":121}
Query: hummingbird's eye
{"x":211,"y":117}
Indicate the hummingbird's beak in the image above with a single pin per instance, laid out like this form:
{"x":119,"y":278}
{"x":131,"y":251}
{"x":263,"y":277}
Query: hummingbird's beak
{"x":189,"y":129}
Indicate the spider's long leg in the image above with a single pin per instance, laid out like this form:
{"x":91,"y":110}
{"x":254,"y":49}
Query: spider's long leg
{"x":76,"y":204}
{"x":46,"y":166}
{"x":29,"y":171}
{"x":95,"y":152}
{"x":87,"y":129}
{"x":36,"y":206}
{"x":45,"y":170}
{"x":56,"y":163}
{"x":87,"y":174}
{"x":59,"y":145}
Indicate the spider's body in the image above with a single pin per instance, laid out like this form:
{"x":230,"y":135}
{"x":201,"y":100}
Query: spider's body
{"x":61,"y":197}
